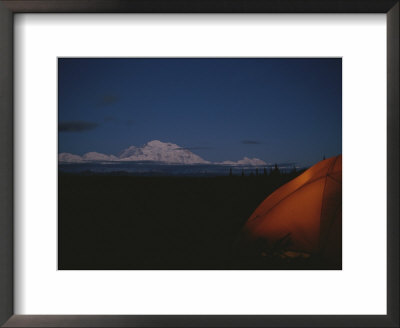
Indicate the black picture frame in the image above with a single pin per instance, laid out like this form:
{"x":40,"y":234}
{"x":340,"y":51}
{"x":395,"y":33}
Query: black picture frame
{"x":10,"y":7}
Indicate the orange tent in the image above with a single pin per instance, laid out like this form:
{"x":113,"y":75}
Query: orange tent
{"x":303,"y":216}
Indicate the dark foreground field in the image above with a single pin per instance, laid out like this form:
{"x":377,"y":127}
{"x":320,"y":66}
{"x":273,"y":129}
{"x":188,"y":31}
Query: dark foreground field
{"x":128,"y":222}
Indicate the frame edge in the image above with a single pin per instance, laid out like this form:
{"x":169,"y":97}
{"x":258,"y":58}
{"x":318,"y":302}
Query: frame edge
{"x":6,"y":164}
{"x":203,"y":6}
{"x":393,"y":38}
{"x":6,"y":203}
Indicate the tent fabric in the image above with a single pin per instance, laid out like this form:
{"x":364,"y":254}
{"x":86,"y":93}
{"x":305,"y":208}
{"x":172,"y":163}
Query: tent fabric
{"x":306,"y":212}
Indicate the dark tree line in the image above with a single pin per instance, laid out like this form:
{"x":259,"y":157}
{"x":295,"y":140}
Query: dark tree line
{"x":265,"y":172}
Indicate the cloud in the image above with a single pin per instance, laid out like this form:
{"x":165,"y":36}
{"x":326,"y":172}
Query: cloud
{"x":76,"y":126}
{"x":251,"y":142}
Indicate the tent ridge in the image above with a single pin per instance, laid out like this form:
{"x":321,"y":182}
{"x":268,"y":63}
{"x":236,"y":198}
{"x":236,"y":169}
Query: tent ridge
{"x":288,"y":195}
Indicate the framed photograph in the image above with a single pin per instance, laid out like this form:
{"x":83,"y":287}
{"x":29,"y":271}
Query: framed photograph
{"x":192,"y":195}
{"x":199,"y":164}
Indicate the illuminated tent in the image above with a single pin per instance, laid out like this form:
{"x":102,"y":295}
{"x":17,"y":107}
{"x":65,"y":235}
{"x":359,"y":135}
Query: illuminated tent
{"x":303,"y":216}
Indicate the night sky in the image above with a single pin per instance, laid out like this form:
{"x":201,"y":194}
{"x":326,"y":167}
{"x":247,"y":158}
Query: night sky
{"x":278,"y":110}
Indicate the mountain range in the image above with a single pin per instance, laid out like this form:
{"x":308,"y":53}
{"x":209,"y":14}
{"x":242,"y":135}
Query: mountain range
{"x":154,"y":151}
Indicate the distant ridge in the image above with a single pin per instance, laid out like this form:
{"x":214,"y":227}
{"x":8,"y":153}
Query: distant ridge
{"x":154,"y":151}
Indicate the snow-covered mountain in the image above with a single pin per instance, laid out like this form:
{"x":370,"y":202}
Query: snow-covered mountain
{"x":156,"y":151}
{"x":246,"y":161}
{"x":69,"y":158}
{"x":88,"y":157}
{"x":93,"y":156}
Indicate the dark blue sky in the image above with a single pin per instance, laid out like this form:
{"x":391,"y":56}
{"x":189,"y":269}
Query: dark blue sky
{"x":278,"y":110}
